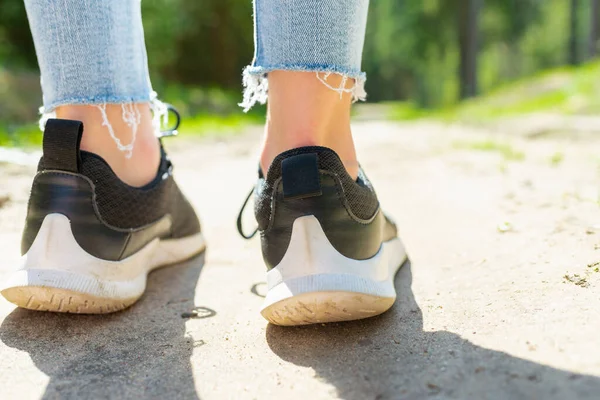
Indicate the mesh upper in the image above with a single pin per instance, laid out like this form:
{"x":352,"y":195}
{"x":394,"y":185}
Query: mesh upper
{"x":126,"y":207}
{"x":359,"y":194}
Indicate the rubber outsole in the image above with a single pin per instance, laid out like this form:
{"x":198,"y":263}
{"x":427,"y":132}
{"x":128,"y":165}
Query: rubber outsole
{"x":45,"y":298}
{"x":57,"y":275}
{"x":325,"y":307}
{"x":41,"y":298}
{"x":314,"y":283}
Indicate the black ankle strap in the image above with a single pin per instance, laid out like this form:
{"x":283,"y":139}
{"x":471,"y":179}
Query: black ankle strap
{"x":62,"y":138}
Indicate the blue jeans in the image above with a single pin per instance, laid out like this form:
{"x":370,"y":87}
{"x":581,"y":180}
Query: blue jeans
{"x":93,"y":52}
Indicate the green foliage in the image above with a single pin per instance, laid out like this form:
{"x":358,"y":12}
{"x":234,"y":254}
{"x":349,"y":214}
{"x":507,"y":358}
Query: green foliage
{"x":20,"y":135}
{"x":211,"y":125}
{"x":567,"y":90}
{"x":199,"y":42}
{"x":411,"y":52}
{"x":16,"y":46}
{"x":209,"y":111}
{"x":407,"y":111}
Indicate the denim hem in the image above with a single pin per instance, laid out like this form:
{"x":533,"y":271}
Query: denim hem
{"x":256,"y":84}
{"x":49,"y":108}
{"x":160,"y":111}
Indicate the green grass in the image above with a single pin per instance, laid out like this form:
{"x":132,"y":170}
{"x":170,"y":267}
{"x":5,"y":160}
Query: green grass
{"x":407,"y":111}
{"x":210,"y":111}
{"x":20,"y":135}
{"x":508,"y":152}
{"x":556,"y":159}
{"x":566,"y":90}
{"x":219,"y":125}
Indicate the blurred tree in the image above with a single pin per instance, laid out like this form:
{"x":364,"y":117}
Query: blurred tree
{"x":164,"y":23}
{"x":573,"y":43}
{"x":594,"y":28}
{"x":218,"y":43}
{"x":432,"y":52}
{"x":468,"y":34}
{"x":16,"y":46}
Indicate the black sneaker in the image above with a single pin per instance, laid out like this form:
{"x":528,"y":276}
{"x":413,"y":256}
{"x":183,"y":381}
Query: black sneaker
{"x":90,"y":240}
{"x":330,"y":251}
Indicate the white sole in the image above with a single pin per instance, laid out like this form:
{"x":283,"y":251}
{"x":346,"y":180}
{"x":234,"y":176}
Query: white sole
{"x":56,"y":274}
{"x":314,"y":283}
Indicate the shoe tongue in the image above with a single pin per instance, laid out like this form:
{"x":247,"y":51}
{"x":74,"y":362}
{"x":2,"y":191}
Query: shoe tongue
{"x":327,"y":159}
{"x":62,"y":138}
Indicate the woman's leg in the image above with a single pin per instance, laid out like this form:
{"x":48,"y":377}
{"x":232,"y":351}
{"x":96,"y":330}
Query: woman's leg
{"x":331,"y":252}
{"x":310,"y":51}
{"x":90,"y":238}
{"x":93,"y":63}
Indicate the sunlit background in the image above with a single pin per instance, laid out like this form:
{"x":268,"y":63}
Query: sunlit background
{"x":423,"y":58}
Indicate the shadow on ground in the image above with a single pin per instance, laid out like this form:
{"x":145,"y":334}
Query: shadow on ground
{"x":391,"y":357}
{"x":141,"y":352}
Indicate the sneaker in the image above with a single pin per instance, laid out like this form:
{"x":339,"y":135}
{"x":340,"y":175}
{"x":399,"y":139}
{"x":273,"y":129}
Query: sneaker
{"x":331,"y":252}
{"x":90,"y":240}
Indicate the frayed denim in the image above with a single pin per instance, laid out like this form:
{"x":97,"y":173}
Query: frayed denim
{"x":321,"y":36}
{"x":93,"y":51}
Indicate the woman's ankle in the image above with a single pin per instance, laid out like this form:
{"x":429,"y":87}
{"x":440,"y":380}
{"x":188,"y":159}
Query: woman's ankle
{"x":123,"y":135}
{"x":302,"y":111}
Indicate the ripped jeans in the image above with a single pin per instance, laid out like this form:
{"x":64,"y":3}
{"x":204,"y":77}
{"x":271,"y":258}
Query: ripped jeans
{"x":93,"y":52}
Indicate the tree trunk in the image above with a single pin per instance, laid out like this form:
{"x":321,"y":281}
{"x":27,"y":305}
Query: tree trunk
{"x":573,"y":43}
{"x":468,"y":43}
{"x":594,"y":31}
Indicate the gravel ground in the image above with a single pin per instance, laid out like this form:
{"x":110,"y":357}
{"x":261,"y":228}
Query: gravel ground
{"x":500,"y":299}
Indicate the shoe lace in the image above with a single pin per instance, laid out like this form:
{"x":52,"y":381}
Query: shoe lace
{"x":239,"y":219}
{"x":172,"y":131}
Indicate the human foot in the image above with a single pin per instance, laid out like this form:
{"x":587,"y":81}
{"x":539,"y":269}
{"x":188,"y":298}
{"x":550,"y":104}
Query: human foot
{"x":330,"y":251}
{"x":90,"y":239}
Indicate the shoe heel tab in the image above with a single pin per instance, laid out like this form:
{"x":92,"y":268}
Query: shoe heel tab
{"x":300,"y":176}
{"x":61,"y":143}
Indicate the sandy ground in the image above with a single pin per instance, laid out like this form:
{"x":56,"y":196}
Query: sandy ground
{"x":500,"y":299}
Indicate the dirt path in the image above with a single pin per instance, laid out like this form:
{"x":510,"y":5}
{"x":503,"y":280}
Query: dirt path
{"x":501,"y":298}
